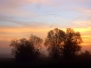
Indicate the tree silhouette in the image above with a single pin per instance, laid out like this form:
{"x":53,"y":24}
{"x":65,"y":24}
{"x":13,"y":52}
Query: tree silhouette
{"x":36,"y":41}
{"x":85,"y":55}
{"x":53,"y":42}
{"x":24,"y":50}
{"x":71,"y":43}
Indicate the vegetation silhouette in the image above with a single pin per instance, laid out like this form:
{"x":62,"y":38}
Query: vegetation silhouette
{"x":61,"y":44}
{"x":71,"y":44}
{"x":54,"y":42}
{"x":26,"y":50}
{"x":63,"y":47}
{"x":85,"y":55}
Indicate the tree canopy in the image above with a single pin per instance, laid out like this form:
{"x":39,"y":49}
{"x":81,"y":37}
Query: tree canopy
{"x":58,"y":42}
{"x":53,"y":41}
{"x":24,"y":49}
{"x":62,"y":43}
{"x":71,"y":43}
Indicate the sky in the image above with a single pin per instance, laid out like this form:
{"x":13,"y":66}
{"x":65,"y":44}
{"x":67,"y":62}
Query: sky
{"x":21,"y":18}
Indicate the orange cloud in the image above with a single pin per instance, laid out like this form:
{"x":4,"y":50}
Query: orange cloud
{"x":37,"y":30}
{"x":22,"y":29}
{"x":83,"y":30}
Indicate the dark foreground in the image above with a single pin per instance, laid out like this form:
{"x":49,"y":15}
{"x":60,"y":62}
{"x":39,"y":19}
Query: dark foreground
{"x":43,"y":63}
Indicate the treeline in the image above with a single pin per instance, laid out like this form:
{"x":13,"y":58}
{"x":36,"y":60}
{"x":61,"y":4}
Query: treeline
{"x":60,"y":45}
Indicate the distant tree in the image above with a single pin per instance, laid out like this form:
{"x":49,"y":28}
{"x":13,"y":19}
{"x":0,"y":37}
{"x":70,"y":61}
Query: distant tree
{"x":36,"y":42}
{"x":54,"y":42}
{"x":85,"y":55}
{"x":24,"y":50}
{"x":71,"y":43}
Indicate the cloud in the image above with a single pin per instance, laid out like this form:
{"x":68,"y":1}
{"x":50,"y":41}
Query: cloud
{"x":12,"y":8}
{"x":16,"y":13}
{"x":86,"y":35}
{"x":12,"y":3}
{"x":84,"y":10}
{"x":46,"y":2}
{"x":10,"y":20}
{"x":84,"y":0}
{"x":19,"y":3}
{"x":23,"y":29}
{"x":36,"y":1}
{"x":85,"y":23}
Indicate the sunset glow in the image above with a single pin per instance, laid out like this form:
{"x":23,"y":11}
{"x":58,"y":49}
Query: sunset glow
{"x":21,"y":18}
